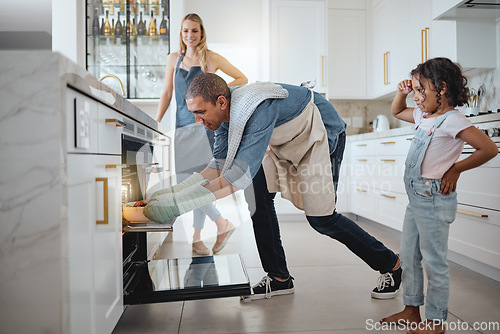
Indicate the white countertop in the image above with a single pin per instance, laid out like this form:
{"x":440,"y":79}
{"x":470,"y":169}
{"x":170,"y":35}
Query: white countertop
{"x":406,"y":130}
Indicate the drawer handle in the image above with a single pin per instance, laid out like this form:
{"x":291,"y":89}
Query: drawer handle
{"x":361,"y":190}
{"x":112,"y":166}
{"x":409,"y":138}
{"x":388,"y":160}
{"x":472,"y":214}
{"x":388,"y":196}
{"x":363,"y":160}
{"x":388,"y":142}
{"x":104,"y":181}
{"x":116,"y":122}
{"x":168,"y":158}
{"x":361,"y":145}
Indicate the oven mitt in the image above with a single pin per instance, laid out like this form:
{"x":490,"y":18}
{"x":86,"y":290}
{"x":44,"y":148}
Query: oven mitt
{"x":193,"y":179}
{"x":166,"y":207}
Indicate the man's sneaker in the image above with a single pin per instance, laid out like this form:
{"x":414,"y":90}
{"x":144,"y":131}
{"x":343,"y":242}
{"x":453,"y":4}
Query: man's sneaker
{"x":269,"y":287}
{"x":388,"y":285}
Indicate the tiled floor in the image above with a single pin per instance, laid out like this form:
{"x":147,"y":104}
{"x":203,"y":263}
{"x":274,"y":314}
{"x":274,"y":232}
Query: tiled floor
{"x":332,"y":289}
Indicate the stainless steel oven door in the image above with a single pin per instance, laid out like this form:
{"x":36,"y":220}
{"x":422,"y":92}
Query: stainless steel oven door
{"x":155,"y":281}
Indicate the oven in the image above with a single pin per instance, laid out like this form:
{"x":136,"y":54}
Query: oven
{"x":146,"y":169}
{"x":476,"y":229}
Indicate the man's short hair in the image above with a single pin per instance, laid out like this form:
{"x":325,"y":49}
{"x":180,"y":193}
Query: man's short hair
{"x":209,"y":86}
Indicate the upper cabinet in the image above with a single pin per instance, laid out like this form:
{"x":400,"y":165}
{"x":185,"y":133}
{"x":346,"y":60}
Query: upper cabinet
{"x":368,"y":57}
{"x":127,"y":44}
{"x":298,"y":42}
{"x":465,"y":9}
{"x":389,"y":45}
{"x":347,"y":52}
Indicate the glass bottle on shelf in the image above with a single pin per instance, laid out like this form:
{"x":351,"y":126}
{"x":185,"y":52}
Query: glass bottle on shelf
{"x":95,"y":23}
{"x":113,"y":46}
{"x":141,"y":26}
{"x":106,"y":30}
{"x":102,"y":27}
{"x":118,"y":27}
{"x":163,"y":25}
{"x":152,"y":26}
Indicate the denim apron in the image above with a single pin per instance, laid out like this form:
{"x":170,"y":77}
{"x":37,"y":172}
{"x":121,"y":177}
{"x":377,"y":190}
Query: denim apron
{"x":193,"y":143}
{"x":191,"y":153}
{"x":425,"y":231}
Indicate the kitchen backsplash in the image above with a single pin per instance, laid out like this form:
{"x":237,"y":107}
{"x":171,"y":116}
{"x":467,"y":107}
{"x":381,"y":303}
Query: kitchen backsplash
{"x":359,"y":113}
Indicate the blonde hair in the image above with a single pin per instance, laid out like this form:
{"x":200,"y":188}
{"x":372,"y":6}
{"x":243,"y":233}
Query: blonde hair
{"x":202,"y":46}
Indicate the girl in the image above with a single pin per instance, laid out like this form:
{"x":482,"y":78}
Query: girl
{"x":193,"y":59}
{"x":431,"y":176}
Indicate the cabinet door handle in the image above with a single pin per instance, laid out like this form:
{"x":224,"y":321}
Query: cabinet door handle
{"x":388,"y":81}
{"x":409,"y":138}
{"x":118,"y":123}
{"x":323,"y":71}
{"x":388,"y":160}
{"x":472,"y":214}
{"x":168,"y":155}
{"x":112,"y":166}
{"x":105,"y":220}
{"x":362,"y":160}
{"x":388,"y":142}
{"x":361,"y":145}
{"x":388,"y":196}
{"x":362,"y":191}
{"x":385,"y":66}
{"x":426,"y":42}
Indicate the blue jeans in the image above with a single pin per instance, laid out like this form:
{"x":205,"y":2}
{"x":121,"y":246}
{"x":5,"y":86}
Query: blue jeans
{"x":425,"y":236}
{"x":336,"y":226}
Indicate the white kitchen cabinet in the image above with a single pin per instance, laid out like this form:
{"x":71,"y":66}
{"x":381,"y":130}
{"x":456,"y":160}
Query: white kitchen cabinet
{"x":420,"y":30}
{"x":298,"y":42}
{"x":471,"y":43}
{"x":347,"y":54}
{"x":389,"y":45}
{"x":377,"y":187}
{"x":94,"y":217}
{"x":475,"y":233}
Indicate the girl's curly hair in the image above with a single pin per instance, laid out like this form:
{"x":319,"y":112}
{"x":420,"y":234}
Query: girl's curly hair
{"x":443,"y":70}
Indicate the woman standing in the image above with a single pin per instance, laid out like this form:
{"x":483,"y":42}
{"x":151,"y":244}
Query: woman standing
{"x":193,"y":59}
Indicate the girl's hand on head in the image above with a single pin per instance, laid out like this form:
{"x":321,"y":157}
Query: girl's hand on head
{"x":405,"y":87}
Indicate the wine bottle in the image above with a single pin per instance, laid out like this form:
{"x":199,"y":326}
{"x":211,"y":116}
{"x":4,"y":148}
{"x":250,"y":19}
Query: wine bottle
{"x":152,"y":26}
{"x":145,"y":3}
{"x":106,"y":30}
{"x":95,"y":23}
{"x":163,"y":25}
{"x":102,"y":27}
{"x":118,"y":27}
{"x":128,"y":26}
{"x":141,"y":26}
{"x":133,"y":33}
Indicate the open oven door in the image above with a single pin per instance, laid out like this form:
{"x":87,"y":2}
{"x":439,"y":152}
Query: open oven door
{"x":158,"y":281}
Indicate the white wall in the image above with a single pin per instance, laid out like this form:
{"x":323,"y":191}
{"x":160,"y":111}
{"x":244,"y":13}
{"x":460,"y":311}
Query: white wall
{"x":26,"y":15}
{"x":236,"y":29}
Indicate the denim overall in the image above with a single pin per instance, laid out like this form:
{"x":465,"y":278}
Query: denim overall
{"x":425,"y":231}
